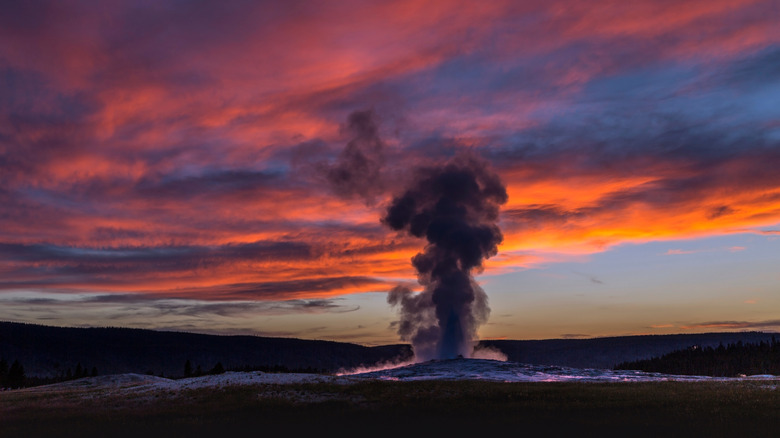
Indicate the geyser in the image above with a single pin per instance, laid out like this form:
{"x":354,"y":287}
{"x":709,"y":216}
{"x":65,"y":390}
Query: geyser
{"x":455,"y":207}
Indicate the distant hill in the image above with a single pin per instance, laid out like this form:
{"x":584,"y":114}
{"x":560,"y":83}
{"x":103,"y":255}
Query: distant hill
{"x":50,"y":351}
{"x":610,"y":351}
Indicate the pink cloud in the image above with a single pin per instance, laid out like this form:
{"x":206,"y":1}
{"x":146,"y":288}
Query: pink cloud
{"x":679,"y":252}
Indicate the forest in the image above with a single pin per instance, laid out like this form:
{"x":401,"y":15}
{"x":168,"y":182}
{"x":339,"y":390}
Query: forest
{"x":733,"y":360}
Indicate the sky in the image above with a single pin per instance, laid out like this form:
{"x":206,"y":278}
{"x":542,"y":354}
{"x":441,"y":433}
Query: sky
{"x":170,"y":164}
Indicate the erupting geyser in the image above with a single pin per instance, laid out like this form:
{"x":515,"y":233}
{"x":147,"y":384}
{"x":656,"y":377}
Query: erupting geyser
{"x":455,"y":207}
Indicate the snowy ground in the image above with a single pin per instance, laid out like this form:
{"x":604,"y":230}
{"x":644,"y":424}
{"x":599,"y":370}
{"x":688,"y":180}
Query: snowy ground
{"x":139,"y":383}
{"x":455,"y":369}
{"x":493,"y":370}
{"x":240,"y":404}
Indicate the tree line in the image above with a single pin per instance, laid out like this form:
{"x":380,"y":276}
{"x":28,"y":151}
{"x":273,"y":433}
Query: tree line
{"x":733,"y":360}
{"x":13,"y":376}
{"x":218,"y":368}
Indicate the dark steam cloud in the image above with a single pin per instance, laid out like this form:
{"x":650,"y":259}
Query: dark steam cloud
{"x":455,"y":207}
{"x":358,"y":170}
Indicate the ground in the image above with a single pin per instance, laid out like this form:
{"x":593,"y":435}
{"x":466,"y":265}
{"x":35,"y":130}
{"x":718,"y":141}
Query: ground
{"x":145,"y":406}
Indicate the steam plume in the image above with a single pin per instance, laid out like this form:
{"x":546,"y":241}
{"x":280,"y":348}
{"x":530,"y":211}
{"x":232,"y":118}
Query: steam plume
{"x":358,"y":170}
{"x":455,"y":207}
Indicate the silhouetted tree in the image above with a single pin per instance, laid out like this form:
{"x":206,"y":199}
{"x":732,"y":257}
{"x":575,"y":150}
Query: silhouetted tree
{"x":198,"y":371}
{"x":188,"y":368}
{"x":218,"y":369}
{"x":94,"y":372}
{"x":16,"y":375}
{"x":79,"y":373}
{"x":3,"y":372}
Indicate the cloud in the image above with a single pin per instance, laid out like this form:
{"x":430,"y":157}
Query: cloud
{"x":251,"y":308}
{"x":574,"y":336}
{"x":232,"y":183}
{"x":178,"y":270}
{"x":68,"y":260}
{"x":695,"y":251}
{"x":291,"y":288}
{"x":768,"y":324}
{"x":722,"y":210}
{"x":358,"y":169}
{"x":535,"y":216}
{"x":680,"y":252}
{"x":134,"y":306}
{"x":592,"y":278}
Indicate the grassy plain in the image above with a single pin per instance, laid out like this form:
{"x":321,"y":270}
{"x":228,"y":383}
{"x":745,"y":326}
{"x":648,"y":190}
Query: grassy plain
{"x":424,"y":408}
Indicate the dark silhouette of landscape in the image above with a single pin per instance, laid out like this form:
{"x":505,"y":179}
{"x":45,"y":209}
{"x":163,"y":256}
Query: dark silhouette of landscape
{"x":732,"y":360}
{"x":46,"y":351}
{"x":607,"y":352}
{"x":59,"y":353}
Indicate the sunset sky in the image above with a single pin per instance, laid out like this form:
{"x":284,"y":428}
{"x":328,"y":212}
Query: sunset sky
{"x":164,"y":164}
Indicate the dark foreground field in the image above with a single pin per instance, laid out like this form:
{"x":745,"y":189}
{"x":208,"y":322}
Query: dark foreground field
{"x":376,"y":408}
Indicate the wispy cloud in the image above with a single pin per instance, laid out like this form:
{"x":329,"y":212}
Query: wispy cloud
{"x":150,"y":305}
{"x":680,"y":252}
{"x":591,"y":278}
{"x":767,"y":324}
{"x":574,"y":336}
{"x":705,"y":250}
